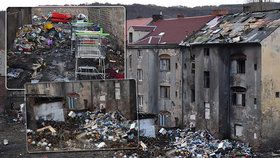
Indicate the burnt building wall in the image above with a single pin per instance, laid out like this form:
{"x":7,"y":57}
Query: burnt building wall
{"x":212,"y":106}
{"x":16,"y":18}
{"x":112,"y":95}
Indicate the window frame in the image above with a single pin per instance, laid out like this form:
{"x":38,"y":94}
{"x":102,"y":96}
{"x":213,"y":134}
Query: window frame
{"x":206,"y":79}
{"x":165,"y":68}
{"x":165,"y":92}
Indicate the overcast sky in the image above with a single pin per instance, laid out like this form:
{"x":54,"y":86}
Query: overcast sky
{"x":189,"y":3}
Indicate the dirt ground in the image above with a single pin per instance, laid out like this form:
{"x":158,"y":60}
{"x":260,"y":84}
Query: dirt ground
{"x":15,"y":133}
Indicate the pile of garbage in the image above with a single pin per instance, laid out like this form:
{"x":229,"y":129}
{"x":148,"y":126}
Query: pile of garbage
{"x":84,"y":130}
{"x":201,"y":144}
{"x":40,"y":36}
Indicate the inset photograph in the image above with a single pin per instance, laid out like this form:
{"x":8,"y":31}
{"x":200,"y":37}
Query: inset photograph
{"x":64,"y":44}
{"x":81,"y":115}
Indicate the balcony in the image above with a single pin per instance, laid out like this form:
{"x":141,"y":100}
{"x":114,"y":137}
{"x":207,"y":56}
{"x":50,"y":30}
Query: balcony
{"x":238,"y":81}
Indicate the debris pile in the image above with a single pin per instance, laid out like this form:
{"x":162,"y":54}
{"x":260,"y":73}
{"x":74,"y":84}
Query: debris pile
{"x":83,"y":131}
{"x":185,"y":143}
{"x":41,"y":52}
{"x":34,"y":37}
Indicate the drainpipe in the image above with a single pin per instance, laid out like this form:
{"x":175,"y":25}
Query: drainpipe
{"x":182,"y":89}
{"x":91,"y":99}
{"x":229,"y":103}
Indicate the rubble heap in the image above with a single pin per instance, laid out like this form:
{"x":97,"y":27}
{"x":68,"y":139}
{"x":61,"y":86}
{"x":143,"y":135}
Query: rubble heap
{"x":202,"y":144}
{"x":83,"y":131}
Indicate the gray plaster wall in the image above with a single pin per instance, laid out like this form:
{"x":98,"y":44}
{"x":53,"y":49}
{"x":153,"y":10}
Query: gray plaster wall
{"x":270,"y":84}
{"x":153,"y":78}
{"x":223,"y":115}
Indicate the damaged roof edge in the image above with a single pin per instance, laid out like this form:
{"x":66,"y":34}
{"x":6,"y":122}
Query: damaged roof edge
{"x":163,"y":46}
{"x":219,"y":44}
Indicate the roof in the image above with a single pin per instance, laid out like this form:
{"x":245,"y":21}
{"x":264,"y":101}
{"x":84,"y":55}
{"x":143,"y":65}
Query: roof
{"x":138,"y":22}
{"x":144,"y":28}
{"x":175,"y":30}
{"x":237,"y":28}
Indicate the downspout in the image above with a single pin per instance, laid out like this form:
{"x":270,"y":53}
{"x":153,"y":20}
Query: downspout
{"x":91,"y":99}
{"x":182,"y":89}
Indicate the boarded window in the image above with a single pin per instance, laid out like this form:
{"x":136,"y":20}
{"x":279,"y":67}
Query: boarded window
{"x":165,"y":92}
{"x":238,"y":130}
{"x":164,"y":64}
{"x":206,"y":79}
{"x":130,"y":37}
{"x":207,"y":110}
{"x":117,"y":91}
{"x":139,"y":74}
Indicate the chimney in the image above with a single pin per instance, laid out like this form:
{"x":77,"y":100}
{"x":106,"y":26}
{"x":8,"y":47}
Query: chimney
{"x":157,"y":17}
{"x":219,"y":12}
{"x":180,"y":15}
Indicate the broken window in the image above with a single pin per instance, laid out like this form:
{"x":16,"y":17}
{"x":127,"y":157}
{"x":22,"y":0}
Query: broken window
{"x":176,"y":65}
{"x":140,"y":100}
{"x":241,"y":66}
{"x":164,"y":64}
{"x":130,"y":61}
{"x":277,"y":94}
{"x":193,"y":67}
{"x":117,"y":91}
{"x":238,"y":98}
{"x":206,"y":79}
{"x":164,"y":118}
{"x":72,"y":102}
{"x":206,"y":51}
{"x":238,"y":63}
{"x":255,"y":101}
{"x":130,"y":37}
{"x":139,"y":53}
{"x":207,"y":111}
{"x":255,"y":66}
{"x":139,"y":74}
{"x":238,"y":130}
{"x":165,"y":92}
{"x":192,"y":95}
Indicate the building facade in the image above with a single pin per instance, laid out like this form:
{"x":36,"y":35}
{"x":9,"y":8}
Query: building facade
{"x":155,"y":62}
{"x":230,"y":78}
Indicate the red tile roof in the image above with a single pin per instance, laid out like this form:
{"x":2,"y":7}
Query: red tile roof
{"x":174,"y":30}
{"x":138,"y":22}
